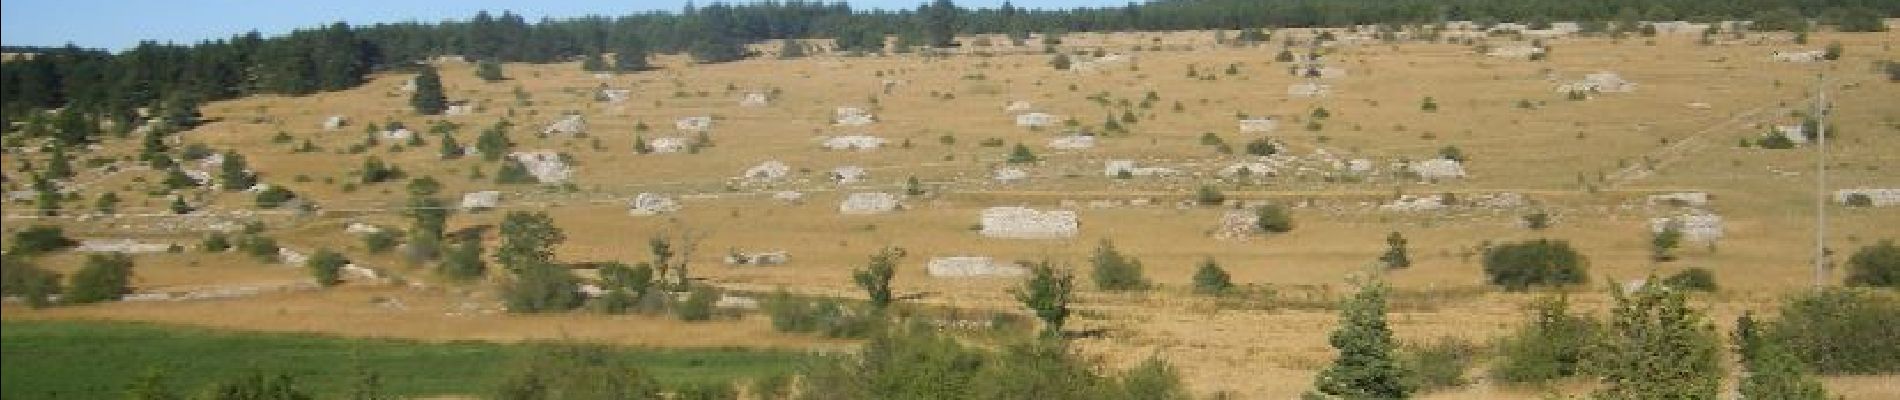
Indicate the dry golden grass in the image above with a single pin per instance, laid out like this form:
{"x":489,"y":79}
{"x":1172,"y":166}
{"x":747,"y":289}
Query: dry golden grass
{"x":1548,"y":153}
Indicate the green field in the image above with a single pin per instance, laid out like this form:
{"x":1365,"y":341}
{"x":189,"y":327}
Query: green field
{"x":96,"y":360}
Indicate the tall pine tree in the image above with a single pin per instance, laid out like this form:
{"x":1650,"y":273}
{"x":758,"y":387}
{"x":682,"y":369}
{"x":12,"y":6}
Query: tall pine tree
{"x":1367,"y":367}
{"x":428,"y":98}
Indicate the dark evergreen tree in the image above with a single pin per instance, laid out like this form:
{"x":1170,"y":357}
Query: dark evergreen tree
{"x":235,"y":174}
{"x":1367,"y":366}
{"x":1395,"y":256}
{"x":939,"y":20}
{"x":428,"y":98}
{"x":1046,"y":294}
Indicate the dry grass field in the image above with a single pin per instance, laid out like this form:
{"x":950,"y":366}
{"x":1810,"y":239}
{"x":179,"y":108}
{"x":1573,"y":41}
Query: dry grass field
{"x":1561,"y":154}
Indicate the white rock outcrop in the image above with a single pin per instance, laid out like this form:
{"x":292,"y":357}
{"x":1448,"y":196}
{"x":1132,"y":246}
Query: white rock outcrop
{"x":1072,"y":142}
{"x":869,"y":203}
{"x":1437,"y":168}
{"x":546,"y":166}
{"x":1027,"y":223}
{"x":645,"y":204}
{"x":569,"y":125}
{"x":768,"y":171}
{"x":481,"y":200}
{"x":971,"y":267}
{"x":853,"y":142}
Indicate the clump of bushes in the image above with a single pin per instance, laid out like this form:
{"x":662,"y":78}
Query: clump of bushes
{"x":1541,"y":262}
{"x":1842,"y":330}
{"x":1692,"y":278}
{"x":1877,"y":265}
{"x":1115,"y":271}
{"x":826,"y":317}
{"x":1555,"y":344}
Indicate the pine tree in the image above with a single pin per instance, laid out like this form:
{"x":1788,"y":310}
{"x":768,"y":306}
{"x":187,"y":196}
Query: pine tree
{"x":1395,"y":255}
{"x":450,"y":149}
{"x":875,"y":279}
{"x":493,"y":142}
{"x":1046,"y":293}
{"x":1659,"y":348}
{"x":428,"y":98}
{"x":1367,"y":366}
{"x":1770,"y":370}
{"x":59,"y":165}
{"x":234,"y":173}
{"x":631,"y":56}
{"x":940,"y":23}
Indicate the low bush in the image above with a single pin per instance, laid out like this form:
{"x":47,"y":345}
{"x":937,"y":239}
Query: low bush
{"x":105,"y":277}
{"x":1843,"y":330}
{"x":40,"y":239}
{"x":1518,"y":266}
{"x":1877,"y":265}
{"x":1692,"y":278}
{"x":1439,"y":364}
{"x":1554,"y":344}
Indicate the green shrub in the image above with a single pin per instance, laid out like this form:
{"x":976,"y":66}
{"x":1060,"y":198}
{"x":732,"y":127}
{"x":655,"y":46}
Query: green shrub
{"x":380,"y":241}
{"x":1843,"y":330}
{"x":1439,"y":364}
{"x":875,"y":279}
{"x":1261,"y":147}
{"x":105,"y":277}
{"x":698,"y":305}
{"x":1692,"y":278}
{"x":1116,"y":272}
{"x":1021,"y":155}
{"x":1658,"y":347}
{"x":326,"y":267}
{"x":512,"y":172}
{"x":573,"y":371}
{"x":542,"y":287}
{"x":1273,"y":218}
{"x":1209,"y":195}
{"x":274,"y":197}
{"x":1518,"y":266}
{"x":262,"y":248}
{"x":34,"y":285}
{"x":915,"y":362}
{"x":1537,"y":221}
{"x":1769,"y":370}
{"x":216,"y":242}
{"x":1211,"y":279}
{"x":39,"y":239}
{"x":1554,"y":344}
{"x":1877,"y":265}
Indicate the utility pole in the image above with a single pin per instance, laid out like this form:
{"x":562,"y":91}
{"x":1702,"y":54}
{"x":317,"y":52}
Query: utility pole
{"x":1820,"y":183}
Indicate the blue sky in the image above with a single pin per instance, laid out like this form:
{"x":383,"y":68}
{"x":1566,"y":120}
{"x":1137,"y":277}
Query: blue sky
{"x":119,"y":24}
